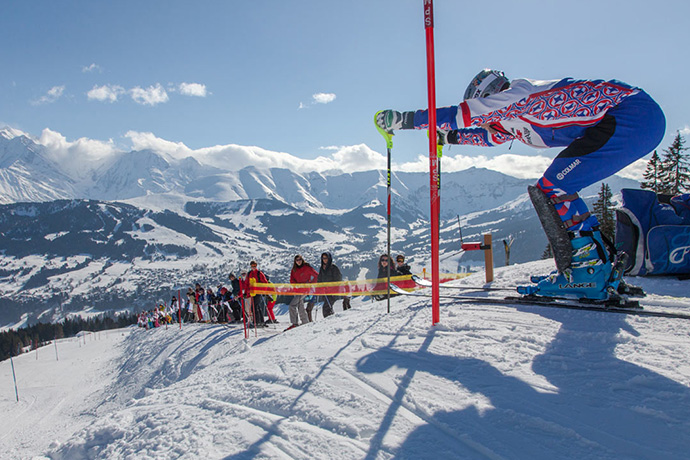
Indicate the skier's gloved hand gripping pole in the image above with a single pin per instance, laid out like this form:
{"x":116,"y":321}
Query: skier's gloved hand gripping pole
{"x":386,"y":121}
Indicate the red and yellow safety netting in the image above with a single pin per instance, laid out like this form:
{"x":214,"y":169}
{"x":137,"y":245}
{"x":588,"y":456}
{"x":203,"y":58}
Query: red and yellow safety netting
{"x":343,"y":288}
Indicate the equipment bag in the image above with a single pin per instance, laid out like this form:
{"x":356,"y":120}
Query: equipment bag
{"x":655,"y":232}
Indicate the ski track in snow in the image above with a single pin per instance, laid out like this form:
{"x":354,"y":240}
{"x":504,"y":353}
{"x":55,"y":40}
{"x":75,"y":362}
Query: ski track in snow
{"x":486,"y":383}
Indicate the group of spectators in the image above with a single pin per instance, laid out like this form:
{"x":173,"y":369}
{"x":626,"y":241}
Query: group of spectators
{"x":233,"y":304}
{"x":400,"y":268}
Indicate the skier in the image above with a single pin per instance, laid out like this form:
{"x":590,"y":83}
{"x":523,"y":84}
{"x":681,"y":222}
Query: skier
{"x":301,"y":273}
{"x":603,"y":125}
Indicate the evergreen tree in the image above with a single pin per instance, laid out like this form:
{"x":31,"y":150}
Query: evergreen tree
{"x":676,"y":167}
{"x":13,"y":341}
{"x":603,"y":209}
{"x":653,"y":175}
{"x":548,"y":253}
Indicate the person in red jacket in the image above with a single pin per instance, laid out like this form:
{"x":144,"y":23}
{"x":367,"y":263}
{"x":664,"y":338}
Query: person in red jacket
{"x":257,"y":304}
{"x":301,"y":273}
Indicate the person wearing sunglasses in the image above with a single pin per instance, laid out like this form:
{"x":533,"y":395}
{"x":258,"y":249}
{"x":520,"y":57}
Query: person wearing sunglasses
{"x":384,"y":261}
{"x":329,"y":272}
{"x":400,"y":265}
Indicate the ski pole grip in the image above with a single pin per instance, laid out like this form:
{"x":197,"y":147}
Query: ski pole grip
{"x":388,"y":135}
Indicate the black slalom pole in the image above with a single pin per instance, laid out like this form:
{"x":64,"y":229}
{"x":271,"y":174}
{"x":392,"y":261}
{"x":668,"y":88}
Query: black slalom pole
{"x":388,"y":135}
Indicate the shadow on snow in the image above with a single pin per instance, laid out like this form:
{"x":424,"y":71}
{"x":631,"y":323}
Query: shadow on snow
{"x":604,"y":407}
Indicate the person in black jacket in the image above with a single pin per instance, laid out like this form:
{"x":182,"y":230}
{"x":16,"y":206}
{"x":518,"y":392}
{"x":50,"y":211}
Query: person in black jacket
{"x":401,"y":267}
{"x":384,"y":260}
{"x":233,"y":296}
{"x":382,"y":278}
{"x":329,"y":272}
{"x":212,"y":301}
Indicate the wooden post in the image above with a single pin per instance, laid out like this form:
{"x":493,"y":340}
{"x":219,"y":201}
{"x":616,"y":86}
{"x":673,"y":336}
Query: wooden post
{"x":488,"y":258}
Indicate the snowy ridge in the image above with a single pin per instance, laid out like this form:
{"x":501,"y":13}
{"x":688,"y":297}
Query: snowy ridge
{"x":148,"y":174}
{"x":487,"y":382}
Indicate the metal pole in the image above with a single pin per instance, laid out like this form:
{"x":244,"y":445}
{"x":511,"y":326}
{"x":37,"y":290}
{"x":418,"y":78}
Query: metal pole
{"x":388,"y":135}
{"x":388,"y":247}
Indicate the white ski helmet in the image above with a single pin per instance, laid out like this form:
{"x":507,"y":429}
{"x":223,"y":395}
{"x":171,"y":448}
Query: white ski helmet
{"x":486,"y":83}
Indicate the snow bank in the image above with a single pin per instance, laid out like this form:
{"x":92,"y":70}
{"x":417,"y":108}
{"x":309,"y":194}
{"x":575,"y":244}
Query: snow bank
{"x":488,"y":382}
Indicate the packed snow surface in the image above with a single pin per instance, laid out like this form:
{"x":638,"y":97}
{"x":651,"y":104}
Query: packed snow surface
{"x":488,"y":382}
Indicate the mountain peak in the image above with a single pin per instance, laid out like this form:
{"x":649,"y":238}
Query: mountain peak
{"x":10,"y":133}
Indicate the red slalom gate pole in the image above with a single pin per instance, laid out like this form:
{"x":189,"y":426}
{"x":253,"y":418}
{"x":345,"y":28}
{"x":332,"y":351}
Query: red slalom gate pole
{"x":434,"y":161}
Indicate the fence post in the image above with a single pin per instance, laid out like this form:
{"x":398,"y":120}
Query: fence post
{"x":488,"y":258}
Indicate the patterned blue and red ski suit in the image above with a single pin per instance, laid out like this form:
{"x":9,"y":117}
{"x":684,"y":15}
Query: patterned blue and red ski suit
{"x":604,"y":125}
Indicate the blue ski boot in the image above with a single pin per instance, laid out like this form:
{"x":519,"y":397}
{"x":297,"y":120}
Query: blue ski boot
{"x":590,"y":275}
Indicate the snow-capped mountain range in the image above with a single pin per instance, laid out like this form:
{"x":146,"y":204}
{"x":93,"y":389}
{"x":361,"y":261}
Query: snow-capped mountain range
{"x":125,"y":230}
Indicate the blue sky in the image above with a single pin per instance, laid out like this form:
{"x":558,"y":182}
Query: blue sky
{"x":306,"y":77}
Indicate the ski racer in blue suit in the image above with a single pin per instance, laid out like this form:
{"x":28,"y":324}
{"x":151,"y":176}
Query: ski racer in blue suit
{"x":603,"y":125}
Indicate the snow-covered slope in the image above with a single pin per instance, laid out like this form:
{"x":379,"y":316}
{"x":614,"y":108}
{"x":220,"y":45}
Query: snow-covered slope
{"x":488,"y":382}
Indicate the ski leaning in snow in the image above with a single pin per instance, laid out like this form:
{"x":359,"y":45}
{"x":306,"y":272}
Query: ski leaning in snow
{"x":623,"y":288}
{"x":549,"y":302}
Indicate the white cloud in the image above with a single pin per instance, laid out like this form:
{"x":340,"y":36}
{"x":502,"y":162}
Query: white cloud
{"x":323,"y":98}
{"x":233,"y":157}
{"x":685,"y":131}
{"x":520,"y":166}
{"x":91,"y":68}
{"x":318,"y":98}
{"x":109,"y":93}
{"x":351,"y":158}
{"x":193,"y":89}
{"x":152,"y":95}
{"x":81,"y":156}
{"x":144,"y":141}
{"x":51,"y":96}
{"x":356,"y":158}
{"x":87,"y":154}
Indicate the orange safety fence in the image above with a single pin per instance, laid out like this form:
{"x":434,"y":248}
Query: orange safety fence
{"x":369,"y":287}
